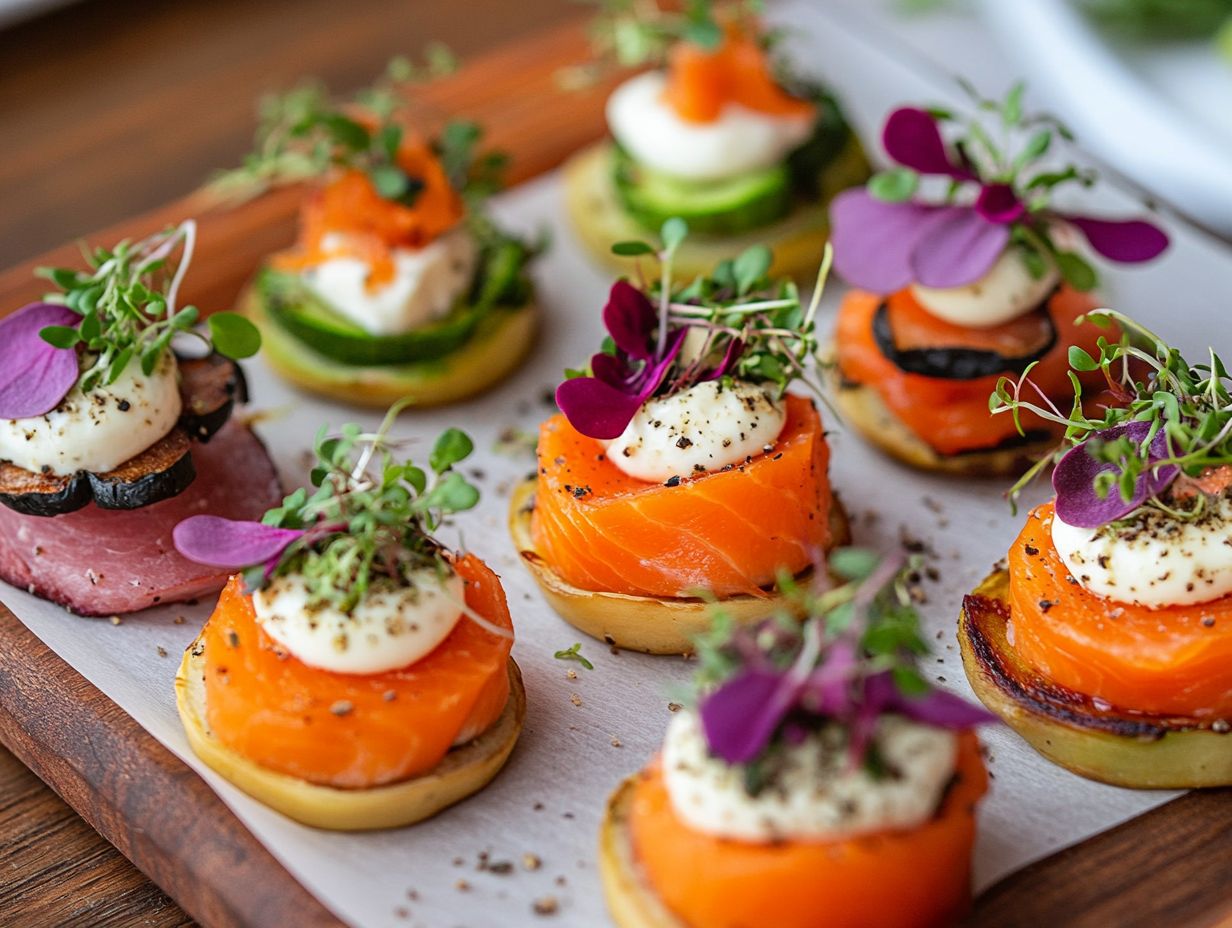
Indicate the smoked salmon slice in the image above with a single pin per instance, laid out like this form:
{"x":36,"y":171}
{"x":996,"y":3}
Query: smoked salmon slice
{"x":1168,"y":661}
{"x":952,"y":416}
{"x":728,"y":532}
{"x":350,"y":730}
{"x":350,"y":204}
{"x":701,"y":82}
{"x":917,"y":879}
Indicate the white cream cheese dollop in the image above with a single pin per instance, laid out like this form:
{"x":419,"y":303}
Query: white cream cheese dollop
{"x":703,"y":428}
{"x":815,"y":795}
{"x":100,"y":431}
{"x":739,"y":141}
{"x":1156,"y":560}
{"x":392,"y":628}
{"x":426,"y":283}
{"x":1006,"y":292}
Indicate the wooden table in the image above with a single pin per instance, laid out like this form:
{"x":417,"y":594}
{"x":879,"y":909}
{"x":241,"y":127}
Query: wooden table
{"x":89,"y":100}
{"x":95,"y":101}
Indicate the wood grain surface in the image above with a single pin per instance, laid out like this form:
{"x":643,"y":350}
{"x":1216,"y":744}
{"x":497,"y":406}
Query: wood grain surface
{"x":1171,"y":868}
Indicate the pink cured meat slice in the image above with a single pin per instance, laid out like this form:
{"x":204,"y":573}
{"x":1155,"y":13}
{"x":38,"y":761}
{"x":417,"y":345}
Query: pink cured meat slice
{"x":106,"y":562}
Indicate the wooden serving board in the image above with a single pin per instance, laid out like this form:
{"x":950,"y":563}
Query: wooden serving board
{"x":1169,"y":867}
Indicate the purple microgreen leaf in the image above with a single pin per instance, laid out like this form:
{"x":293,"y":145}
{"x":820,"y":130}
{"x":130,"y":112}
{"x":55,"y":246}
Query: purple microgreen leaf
{"x":34,"y":374}
{"x":735,"y":348}
{"x":1128,"y":241}
{"x":602,"y":409}
{"x":741,"y":716}
{"x":874,"y":240}
{"x":596,"y":408}
{"x":1073,"y":479}
{"x":630,"y":319}
{"x":943,"y":710}
{"x":997,"y":203}
{"x":957,"y":249}
{"x":912,"y":138}
{"x":220,"y":542}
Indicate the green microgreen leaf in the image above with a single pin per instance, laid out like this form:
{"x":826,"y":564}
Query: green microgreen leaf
{"x":574,"y":653}
{"x":632,"y":249}
{"x":233,"y":336}
{"x":1076,"y":270}
{"x":451,"y":447}
{"x":894,"y":186}
{"x":673,"y":233}
{"x":60,"y":336}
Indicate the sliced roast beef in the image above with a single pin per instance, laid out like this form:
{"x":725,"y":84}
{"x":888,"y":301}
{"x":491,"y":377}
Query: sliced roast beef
{"x":104,"y":562}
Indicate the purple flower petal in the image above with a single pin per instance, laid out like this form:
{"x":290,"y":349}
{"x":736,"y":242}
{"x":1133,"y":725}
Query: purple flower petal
{"x":741,"y":716}
{"x":943,"y":710}
{"x":34,"y":376}
{"x":957,"y":249}
{"x":874,"y":240}
{"x":596,"y":408}
{"x":998,"y":203}
{"x":1129,"y":241}
{"x":912,"y":138}
{"x":220,"y":542}
{"x":613,"y":370}
{"x":1073,"y":479}
{"x":600,"y":409}
{"x":936,"y":707}
{"x":630,"y":319}
{"x":735,"y":348}
{"x":827,"y":690}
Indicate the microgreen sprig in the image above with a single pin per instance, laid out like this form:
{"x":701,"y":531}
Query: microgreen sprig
{"x":854,"y":658}
{"x":574,"y":653}
{"x":371,"y":513}
{"x":738,"y":302}
{"x":1149,"y":382}
{"x":997,"y":194}
{"x":305,"y":133}
{"x":744,"y":326}
{"x":635,"y":33}
{"x":128,"y":303}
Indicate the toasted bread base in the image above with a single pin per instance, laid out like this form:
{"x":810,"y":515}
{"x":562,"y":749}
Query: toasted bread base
{"x":1131,"y":750}
{"x":863,"y":409}
{"x":640,"y":623}
{"x":631,"y":902}
{"x":797,"y":240}
{"x":494,"y":351}
{"x":463,"y":771}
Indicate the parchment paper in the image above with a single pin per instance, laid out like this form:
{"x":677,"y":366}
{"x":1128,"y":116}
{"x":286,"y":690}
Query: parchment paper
{"x":549,"y":800}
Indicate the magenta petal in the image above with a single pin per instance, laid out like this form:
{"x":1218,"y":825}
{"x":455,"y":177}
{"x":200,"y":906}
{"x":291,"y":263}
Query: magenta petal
{"x":873,"y":240}
{"x":34,"y":376}
{"x":612,"y":370}
{"x":630,"y":319}
{"x":957,"y":249}
{"x":220,"y":542}
{"x":1128,"y":241}
{"x":943,"y":710}
{"x":735,"y":348}
{"x":998,"y":203}
{"x":740,"y":717}
{"x":596,"y":409}
{"x":1073,"y":479}
{"x":913,"y":139}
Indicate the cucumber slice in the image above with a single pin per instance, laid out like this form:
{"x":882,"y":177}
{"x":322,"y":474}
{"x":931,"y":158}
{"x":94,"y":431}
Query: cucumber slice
{"x":725,"y":207}
{"x":744,"y":203}
{"x":294,"y":307}
{"x":500,"y":282}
